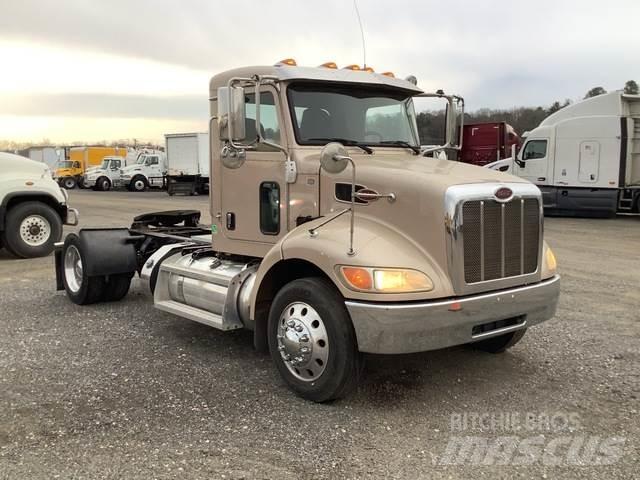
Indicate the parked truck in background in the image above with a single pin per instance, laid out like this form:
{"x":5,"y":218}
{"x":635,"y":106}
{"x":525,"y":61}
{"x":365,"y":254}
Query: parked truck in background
{"x":331,"y":233}
{"x":33,"y":207}
{"x":50,"y":156}
{"x":483,"y":143}
{"x":70,"y":171}
{"x":105,"y":176}
{"x":149,"y":171}
{"x":187,"y":163}
{"x":585,"y":158}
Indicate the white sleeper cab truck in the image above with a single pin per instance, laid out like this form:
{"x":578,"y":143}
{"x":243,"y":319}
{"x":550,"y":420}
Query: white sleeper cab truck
{"x":585,"y":158}
{"x":104,"y":177}
{"x":33,"y":207}
{"x":149,"y":171}
{"x":332,"y":234}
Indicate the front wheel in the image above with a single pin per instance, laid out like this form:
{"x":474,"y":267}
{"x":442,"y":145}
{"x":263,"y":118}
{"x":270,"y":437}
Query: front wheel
{"x":138,"y":184}
{"x":103,"y":184}
{"x":312,"y":340}
{"x":69,"y":183}
{"x":32,"y":228}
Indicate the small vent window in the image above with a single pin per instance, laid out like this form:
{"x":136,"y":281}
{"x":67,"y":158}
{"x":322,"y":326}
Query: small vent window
{"x":270,"y":208}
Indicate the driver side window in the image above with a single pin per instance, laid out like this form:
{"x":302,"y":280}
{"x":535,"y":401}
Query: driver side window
{"x":535,"y":149}
{"x":269,"y":126}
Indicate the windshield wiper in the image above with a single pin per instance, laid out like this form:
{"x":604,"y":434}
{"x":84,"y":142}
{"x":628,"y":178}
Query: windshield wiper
{"x":401,"y":143}
{"x":344,"y":141}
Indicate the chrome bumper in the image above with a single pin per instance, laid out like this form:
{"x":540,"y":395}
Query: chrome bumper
{"x":73,"y":217}
{"x":418,"y":327}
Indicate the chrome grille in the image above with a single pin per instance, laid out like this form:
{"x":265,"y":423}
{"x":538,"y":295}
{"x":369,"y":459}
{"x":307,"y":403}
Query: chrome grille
{"x":500,"y":240}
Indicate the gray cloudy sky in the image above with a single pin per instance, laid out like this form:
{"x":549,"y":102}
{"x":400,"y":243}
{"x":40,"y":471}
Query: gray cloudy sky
{"x":136,"y":66}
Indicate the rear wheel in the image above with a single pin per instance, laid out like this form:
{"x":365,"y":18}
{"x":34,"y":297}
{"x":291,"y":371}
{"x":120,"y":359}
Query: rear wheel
{"x":81,"y":288}
{"x":500,"y":343}
{"x":31,"y":230}
{"x":312,"y":340}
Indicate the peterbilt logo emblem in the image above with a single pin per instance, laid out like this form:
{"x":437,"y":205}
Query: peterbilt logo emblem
{"x":503,"y":194}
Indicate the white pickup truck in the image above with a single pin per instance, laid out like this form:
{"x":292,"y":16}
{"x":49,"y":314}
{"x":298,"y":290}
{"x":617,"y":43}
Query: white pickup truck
{"x":33,"y":207}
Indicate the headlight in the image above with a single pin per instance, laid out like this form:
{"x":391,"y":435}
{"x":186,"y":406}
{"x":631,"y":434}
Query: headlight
{"x":550,"y":259}
{"x":386,"y":280}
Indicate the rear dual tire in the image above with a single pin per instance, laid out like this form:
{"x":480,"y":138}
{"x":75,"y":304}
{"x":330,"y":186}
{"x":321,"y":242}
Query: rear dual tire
{"x":83,"y":289}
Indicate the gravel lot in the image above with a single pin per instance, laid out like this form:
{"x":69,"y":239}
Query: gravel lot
{"x":124,"y":391}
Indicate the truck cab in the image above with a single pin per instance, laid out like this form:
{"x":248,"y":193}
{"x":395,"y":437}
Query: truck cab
{"x":33,"y":207}
{"x":106,"y":175}
{"x":332,"y":233}
{"x":149,"y":170}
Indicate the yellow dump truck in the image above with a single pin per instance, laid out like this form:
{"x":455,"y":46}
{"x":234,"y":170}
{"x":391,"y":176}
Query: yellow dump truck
{"x":70,"y":172}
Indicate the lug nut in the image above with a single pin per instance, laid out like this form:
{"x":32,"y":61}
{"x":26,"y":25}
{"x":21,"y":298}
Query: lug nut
{"x":304,"y":338}
{"x":281,"y":348}
{"x":304,"y":350}
{"x":291,"y":323}
{"x":299,"y":328}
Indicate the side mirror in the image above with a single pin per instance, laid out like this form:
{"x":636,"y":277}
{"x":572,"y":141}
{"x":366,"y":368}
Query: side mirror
{"x":231,"y":113}
{"x":334,"y":157}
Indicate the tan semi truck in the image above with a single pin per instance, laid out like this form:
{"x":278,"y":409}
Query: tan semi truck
{"x":332,"y":233}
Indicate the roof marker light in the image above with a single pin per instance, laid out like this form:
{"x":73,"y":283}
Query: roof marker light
{"x":388,"y":74}
{"x":329,"y":65}
{"x":352,"y":67}
{"x":369,"y":69}
{"x":287,"y":61}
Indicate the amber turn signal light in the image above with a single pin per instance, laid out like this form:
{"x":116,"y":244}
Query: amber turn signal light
{"x":358,"y":278}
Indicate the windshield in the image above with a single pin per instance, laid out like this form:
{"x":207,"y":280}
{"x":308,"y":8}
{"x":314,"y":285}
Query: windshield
{"x":141,"y":159}
{"x":65,"y":164}
{"x":105,"y":164}
{"x":365,"y":115}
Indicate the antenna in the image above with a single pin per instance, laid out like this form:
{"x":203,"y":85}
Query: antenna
{"x":364,"y":49}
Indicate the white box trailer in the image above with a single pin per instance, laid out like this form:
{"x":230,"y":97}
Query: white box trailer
{"x":585,"y":158}
{"x":187,"y":163}
{"x":47,"y":155}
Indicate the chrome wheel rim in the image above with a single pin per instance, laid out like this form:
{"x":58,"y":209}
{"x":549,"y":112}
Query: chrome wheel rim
{"x":105,"y":185}
{"x":35,"y":230}
{"x":303,"y":342}
{"x":73,"y":268}
{"x":138,"y":185}
{"x":69,"y":183}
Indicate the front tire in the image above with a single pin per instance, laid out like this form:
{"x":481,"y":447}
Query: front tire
{"x":69,"y":183}
{"x":31,"y":230}
{"x":312,"y":340}
{"x":103,"y":184}
{"x":138,"y":184}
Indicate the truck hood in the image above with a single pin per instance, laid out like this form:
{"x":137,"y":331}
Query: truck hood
{"x":417,"y":218}
{"x":132,"y":168}
{"x":17,"y":166}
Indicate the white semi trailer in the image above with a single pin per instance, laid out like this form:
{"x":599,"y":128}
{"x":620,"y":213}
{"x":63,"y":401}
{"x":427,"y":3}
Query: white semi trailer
{"x":585,"y":158}
{"x":187,"y":163}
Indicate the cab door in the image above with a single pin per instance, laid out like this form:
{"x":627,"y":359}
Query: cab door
{"x":254,"y":196}
{"x":533,"y":161}
{"x":154,"y":171}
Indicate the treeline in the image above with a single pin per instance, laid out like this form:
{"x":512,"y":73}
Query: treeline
{"x":522,"y":119}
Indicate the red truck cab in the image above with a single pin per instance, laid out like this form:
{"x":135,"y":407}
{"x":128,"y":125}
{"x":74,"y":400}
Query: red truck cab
{"x":484,"y":143}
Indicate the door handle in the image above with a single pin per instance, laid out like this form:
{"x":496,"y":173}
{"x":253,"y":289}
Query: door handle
{"x":231,"y":221}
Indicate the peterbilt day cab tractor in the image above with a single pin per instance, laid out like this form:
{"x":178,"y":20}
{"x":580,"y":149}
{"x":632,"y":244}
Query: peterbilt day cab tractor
{"x":33,"y":207}
{"x":332,"y":234}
